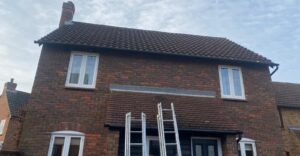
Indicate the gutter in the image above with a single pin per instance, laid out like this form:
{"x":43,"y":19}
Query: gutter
{"x":117,"y":126}
{"x":276,"y":68}
{"x":39,"y":42}
{"x":238,"y":140}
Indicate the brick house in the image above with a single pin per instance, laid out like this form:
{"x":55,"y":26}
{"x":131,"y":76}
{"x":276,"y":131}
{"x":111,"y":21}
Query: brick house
{"x":90,"y":75}
{"x":12,"y":103}
{"x":288,"y":102}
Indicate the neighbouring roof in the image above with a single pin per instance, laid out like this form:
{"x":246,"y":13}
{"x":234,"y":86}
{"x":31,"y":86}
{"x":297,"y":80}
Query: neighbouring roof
{"x":111,"y":37}
{"x":16,"y":101}
{"x":287,"y":94}
{"x":192,"y":113}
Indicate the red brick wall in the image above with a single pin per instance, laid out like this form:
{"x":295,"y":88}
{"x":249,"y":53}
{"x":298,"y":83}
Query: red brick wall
{"x":4,"y":114}
{"x":12,"y":135}
{"x":290,"y":117}
{"x":54,"y":107}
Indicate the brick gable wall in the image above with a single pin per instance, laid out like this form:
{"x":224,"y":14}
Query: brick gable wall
{"x":290,"y":117}
{"x":54,"y":107}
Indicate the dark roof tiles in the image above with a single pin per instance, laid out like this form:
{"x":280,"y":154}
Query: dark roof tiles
{"x":287,"y":94}
{"x":16,"y":101}
{"x":119,"y":38}
{"x":200,"y":117}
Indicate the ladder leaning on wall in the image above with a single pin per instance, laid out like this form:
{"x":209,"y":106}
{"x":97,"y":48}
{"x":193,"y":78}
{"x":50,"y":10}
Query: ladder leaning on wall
{"x":162,"y":132}
{"x":129,"y":131}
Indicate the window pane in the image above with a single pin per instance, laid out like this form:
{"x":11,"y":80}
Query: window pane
{"x":225,"y":81}
{"x":89,"y":70}
{"x":58,"y":146}
{"x":154,"y":148}
{"x":74,"y":147}
{"x":249,"y":149}
{"x":198,"y":150}
{"x":237,"y":82}
{"x":75,"y":69}
{"x":211,"y":150}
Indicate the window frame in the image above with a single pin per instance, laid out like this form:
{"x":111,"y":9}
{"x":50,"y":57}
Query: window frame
{"x":208,"y":138}
{"x":148,"y":139}
{"x":2,"y":126}
{"x":231,"y":83}
{"x":245,"y":141}
{"x":67,"y":135}
{"x":82,"y":71}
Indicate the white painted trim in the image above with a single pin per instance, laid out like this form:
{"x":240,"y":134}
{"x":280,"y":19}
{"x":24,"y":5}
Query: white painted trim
{"x":2,"y":126}
{"x":244,"y":141}
{"x":208,"y":138}
{"x":162,"y":93}
{"x":67,"y":135}
{"x":161,"y":90}
{"x":82,"y":70}
{"x":231,"y":83}
{"x":73,"y":133}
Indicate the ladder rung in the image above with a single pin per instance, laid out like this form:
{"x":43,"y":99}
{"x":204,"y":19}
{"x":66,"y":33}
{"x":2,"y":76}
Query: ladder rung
{"x":169,"y":131}
{"x":171,"y":144}
{"x":167,"y":109}
{"x":168,"y":120}
{"x":136,"y":131}
{"x":136,"y":144}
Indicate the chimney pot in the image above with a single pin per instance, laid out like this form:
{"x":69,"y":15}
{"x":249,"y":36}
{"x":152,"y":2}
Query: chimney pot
{"x":10,"y":85}
{"x":68,"y":10}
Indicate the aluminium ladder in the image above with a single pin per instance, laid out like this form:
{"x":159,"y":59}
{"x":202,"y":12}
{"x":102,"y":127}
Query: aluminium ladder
{"x":128,"y":132}
{"x":162,"y":132}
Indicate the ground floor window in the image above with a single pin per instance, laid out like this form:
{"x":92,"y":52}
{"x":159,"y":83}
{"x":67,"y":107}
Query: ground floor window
{"x":247,"y":147}
{"x":206,"y":146}
{"x":66,"y":143}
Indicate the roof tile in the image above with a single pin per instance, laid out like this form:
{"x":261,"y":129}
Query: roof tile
{"x":103,"y":36}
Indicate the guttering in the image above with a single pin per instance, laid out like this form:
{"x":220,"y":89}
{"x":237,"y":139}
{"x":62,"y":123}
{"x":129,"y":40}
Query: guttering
{"x":276,"y":68}
{"x":238,"y":132}
{"x":40,"y":42}
{"x":239,"y":138}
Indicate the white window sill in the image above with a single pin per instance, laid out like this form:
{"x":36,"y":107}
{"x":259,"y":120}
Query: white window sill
{"x":80,"y":87}
{"x":234,"y":98}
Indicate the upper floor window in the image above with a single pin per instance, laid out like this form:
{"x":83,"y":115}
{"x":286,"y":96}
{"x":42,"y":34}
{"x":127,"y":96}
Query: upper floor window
{"x":247,"y":147}
{"x":231,"y":81}
{"x":66,"y":143}
{"x":82,"y":70}
{"x":2,"y":124}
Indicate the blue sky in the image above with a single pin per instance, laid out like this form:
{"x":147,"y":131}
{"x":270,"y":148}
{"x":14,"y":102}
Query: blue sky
{"x":268,"y":27}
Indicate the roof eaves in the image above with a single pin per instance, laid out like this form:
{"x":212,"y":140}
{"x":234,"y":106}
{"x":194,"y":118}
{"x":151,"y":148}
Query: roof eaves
{"x":269,"y":63}
{"x":118,"y":126}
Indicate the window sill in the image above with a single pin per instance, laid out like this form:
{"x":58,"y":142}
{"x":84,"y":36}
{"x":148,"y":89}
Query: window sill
{"x":80,"y":88}
{"x":234,"y":99}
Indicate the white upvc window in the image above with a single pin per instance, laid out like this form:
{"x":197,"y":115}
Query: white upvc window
{"x":231,"y":82}
{"x":66,"y":143}
{"x":247,"y":147}
{"x":2,"y":125}
{"x":82,"y":71}
{"x":1,"y":144}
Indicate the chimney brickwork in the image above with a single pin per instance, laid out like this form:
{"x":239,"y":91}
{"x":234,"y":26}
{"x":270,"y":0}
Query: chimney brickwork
{"x":68,"y":10}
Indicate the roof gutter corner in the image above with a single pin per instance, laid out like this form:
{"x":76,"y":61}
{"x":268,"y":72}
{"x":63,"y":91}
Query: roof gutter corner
{"x":276,"y":68}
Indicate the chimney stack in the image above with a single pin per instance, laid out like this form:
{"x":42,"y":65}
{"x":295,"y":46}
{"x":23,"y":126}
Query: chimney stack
{"x":68,"y":10}
{"x":10,"y":85}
